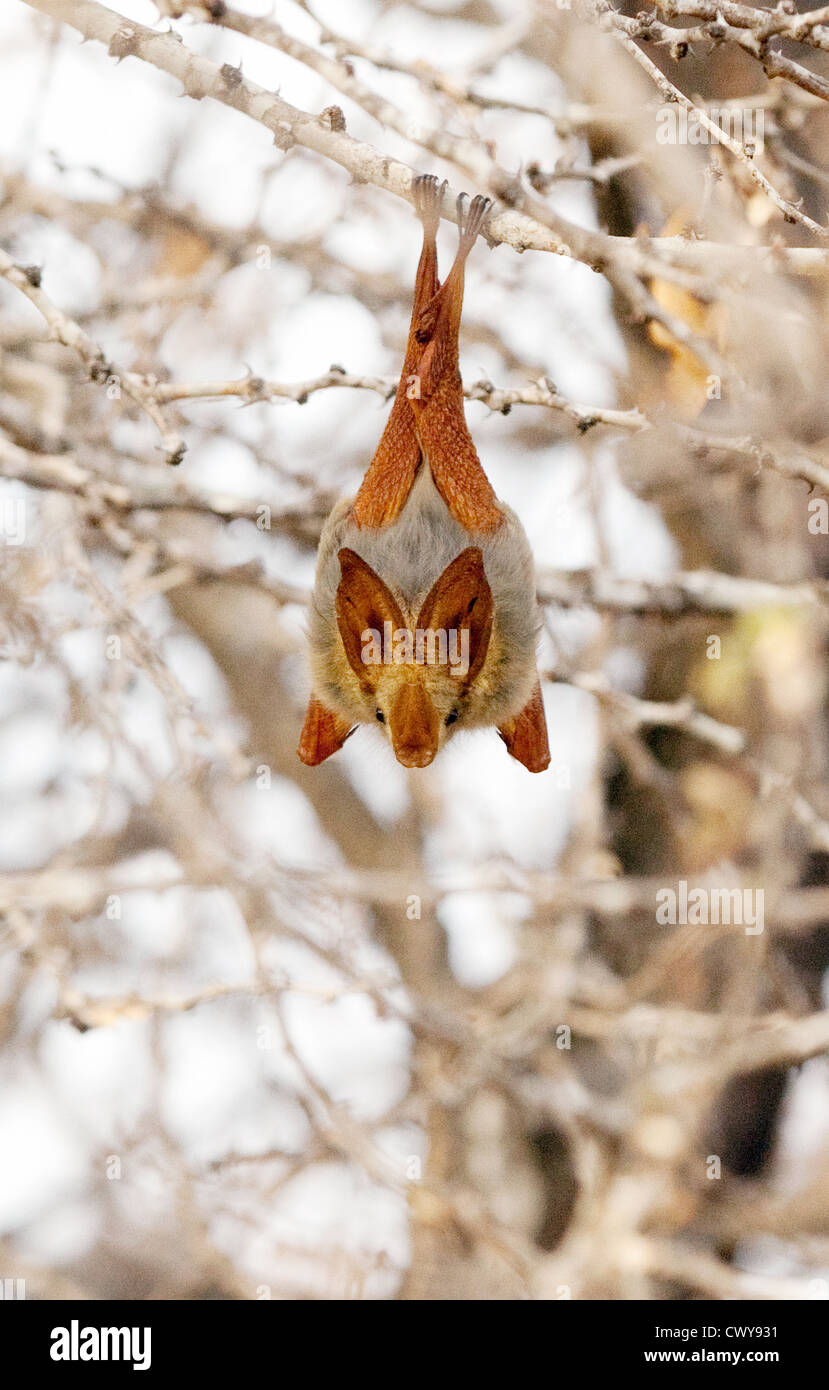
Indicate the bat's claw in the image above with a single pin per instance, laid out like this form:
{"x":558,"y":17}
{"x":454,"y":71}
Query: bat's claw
{"x":427,"y":195}
{"x":470,"y":223}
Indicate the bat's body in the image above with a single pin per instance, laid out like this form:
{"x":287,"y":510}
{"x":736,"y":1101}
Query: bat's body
{"x":424,"y":613}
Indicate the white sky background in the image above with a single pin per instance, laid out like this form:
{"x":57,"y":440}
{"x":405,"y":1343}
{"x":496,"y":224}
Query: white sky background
{"x":89,"y":1095}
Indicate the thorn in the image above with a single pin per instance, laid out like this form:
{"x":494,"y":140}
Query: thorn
{"x":332,"y":117}
{"x":123,"y":43}
{"x":232,"y":76}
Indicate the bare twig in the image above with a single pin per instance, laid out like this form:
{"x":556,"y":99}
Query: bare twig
{"x":101,"y":370}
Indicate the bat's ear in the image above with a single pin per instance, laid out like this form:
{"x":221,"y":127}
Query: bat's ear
{"x":526,"y":734}
{"x":460,"y":600}
{"x":364,"y":603}
{"x":322,"y":733}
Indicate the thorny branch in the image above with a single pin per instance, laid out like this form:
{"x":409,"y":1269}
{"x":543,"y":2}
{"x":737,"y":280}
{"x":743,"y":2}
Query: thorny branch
{"x":719,"y":791}
{"x":101,"y":371}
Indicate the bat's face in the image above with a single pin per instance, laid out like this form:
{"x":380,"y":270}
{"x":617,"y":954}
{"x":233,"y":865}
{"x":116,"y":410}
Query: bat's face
{"x":415,"y":673}
{"x":418,"y":712}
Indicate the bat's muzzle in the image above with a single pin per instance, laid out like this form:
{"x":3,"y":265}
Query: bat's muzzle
{"x":414,"y":726}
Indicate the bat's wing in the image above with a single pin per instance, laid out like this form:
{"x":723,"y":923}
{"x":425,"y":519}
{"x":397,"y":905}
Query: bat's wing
{"x":437,"y":402}
{"x":391,"y":473}
{"x":427,"y":418}
{"x":526,"y":734}
{"x":323,"y":733}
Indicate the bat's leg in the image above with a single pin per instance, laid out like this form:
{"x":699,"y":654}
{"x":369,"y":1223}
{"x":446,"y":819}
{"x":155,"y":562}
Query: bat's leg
{"x":437,"y":404}
{"x":427,"y":193}
{"x":389,"y":477}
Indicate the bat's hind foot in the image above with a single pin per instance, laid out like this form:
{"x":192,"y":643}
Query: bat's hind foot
{"x":427,"y":195}
{"x":472,"y":220}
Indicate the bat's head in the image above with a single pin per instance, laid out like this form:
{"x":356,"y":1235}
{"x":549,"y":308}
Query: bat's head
{"x":415,"y":674}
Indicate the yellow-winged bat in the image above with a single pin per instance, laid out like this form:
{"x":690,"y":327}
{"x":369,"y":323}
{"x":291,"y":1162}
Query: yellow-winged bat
{"x":424,"y":613}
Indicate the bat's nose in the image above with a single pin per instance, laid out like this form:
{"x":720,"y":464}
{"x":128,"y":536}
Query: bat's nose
{"x":414,"y":757}
{"x":414,"y":725}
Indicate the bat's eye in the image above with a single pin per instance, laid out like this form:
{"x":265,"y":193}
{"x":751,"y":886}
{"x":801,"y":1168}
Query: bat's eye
{"x":379,"y":715}
{"x":451,"y":717}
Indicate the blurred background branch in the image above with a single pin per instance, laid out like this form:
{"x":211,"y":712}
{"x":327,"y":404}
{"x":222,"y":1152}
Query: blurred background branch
{"x":353,"y":1032}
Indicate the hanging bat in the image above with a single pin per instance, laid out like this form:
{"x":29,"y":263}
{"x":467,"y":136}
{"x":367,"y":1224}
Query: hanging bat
{"x":424,"y":615}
